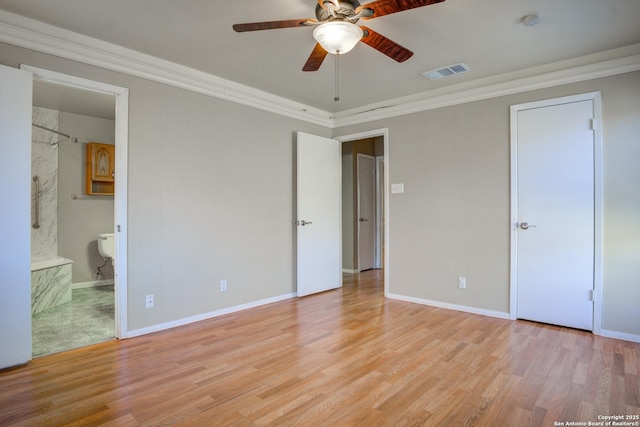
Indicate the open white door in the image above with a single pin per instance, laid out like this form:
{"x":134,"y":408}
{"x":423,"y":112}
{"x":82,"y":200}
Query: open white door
{"x":15,"y":193}
{"x":319,"y":215}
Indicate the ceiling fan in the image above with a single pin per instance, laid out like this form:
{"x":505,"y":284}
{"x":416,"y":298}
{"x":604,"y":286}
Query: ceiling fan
{"x":336,"y":31}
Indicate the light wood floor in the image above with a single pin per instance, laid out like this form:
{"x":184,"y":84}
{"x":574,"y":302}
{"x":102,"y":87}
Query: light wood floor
{"x":341,"y":358}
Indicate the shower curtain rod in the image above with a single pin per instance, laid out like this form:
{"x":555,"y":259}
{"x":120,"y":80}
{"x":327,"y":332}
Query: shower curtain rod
{"x":73,"y":139}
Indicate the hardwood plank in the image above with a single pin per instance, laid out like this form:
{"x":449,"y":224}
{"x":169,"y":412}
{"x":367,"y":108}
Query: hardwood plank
{"x":343,"y":357}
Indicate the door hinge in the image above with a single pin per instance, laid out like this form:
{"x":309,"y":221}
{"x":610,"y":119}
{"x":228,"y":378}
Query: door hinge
{"x":593,"y":124}
{"x":592,"y":295}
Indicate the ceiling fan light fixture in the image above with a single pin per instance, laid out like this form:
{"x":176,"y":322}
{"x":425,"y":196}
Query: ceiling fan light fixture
{"x":338,"y":36}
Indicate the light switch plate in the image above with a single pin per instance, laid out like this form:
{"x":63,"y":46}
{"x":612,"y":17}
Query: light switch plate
{"x":397,"y":188}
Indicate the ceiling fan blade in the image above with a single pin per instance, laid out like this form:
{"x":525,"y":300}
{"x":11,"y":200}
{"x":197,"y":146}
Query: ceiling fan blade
{"x":272,"y":25}
{"x":390,"y":48}
{"x":315,"y":59}
{"x":387,"y":7}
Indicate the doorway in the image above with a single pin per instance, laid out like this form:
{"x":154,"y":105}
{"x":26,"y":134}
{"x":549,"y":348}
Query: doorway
{"x":366,"y":211}
{"x":83,"y":104}
{"x":374,"y":144}
{"x":73,"y":299}
{"x":556,"y":211}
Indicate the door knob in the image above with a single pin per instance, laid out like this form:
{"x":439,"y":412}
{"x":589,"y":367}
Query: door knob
{"x":303,"y":222}
{"x":363,"y":219}
{"x":526,"y":225}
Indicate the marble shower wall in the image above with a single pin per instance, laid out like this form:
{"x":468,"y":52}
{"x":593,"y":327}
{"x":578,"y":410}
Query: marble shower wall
{"x":44,"y":164}
{"x":50,"y":287}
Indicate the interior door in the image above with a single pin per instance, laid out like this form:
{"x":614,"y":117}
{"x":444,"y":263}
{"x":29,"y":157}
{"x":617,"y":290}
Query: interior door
{"x":319,"y":214}
{"x":366,"y":211}
{"x":555,"y":214}
{"x":15,"y":195}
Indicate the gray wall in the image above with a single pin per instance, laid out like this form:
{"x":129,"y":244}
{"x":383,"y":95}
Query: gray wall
{"x":80,"y":221}
{"x":453,"y":219}
{"x":349,"y":262}
{"x":210,"y":196}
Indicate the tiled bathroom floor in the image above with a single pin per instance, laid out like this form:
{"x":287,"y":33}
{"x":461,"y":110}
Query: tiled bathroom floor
{"x":87,"y":319}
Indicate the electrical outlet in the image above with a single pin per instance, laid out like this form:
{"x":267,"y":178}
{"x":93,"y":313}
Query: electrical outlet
{"x":149,"y":301}
{"x":223,"y":286}
{"x":462,"y":282}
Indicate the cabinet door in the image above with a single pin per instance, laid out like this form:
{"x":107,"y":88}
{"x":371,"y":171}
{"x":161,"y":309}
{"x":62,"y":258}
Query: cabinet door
{"x":101,"y":166}
{"x":102,"y":162}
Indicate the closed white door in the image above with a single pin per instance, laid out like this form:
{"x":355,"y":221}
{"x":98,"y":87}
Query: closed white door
{"x":555,"y":223}
{"x":319,"y":214}
{"x":15,"y":196}
{"x":366,"y":211}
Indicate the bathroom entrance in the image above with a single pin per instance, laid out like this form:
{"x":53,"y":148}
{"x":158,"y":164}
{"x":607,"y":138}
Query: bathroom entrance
{"x":16,"y":188}
{"x":73,"y":301}
{"x":76,"y":290}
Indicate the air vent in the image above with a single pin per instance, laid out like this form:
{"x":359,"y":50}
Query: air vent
{"x":451,"y":70}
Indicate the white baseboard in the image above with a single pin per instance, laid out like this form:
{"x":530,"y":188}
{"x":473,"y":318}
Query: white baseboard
{"x":229,"y":310}
{"x":456,"y":307}
{"x":346,"y":270}
{"x":603,"y":332}
{"x":205,"y":316}
{"x":619,"y":335}
{"x":92,"y":284}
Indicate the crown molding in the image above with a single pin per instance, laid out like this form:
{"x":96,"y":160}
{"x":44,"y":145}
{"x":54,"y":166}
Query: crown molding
{"x":454,"y":95}
{"x":31,"y":34}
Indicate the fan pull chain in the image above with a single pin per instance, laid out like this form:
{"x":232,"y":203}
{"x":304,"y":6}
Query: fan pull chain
{"x":336,"y":98}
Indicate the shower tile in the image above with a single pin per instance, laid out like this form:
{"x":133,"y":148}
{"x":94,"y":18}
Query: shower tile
{"x":44,"y":164}
{"x":50,"y":287}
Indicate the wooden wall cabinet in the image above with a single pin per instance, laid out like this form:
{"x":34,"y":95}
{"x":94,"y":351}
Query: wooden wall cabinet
{"x":101,"y":166}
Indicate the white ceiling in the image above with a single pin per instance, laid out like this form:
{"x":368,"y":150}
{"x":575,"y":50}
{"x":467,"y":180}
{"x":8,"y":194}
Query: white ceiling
{"x":488,"y":36}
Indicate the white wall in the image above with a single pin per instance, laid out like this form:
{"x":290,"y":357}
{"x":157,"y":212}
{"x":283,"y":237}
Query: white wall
{"x":453,"y":219}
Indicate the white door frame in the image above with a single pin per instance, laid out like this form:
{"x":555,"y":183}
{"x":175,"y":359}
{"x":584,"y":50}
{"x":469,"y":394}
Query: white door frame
{"x":384,"y":133}
{"x":380,"y":197}
{"x":596,"y":97}
{"x":120,"y":199}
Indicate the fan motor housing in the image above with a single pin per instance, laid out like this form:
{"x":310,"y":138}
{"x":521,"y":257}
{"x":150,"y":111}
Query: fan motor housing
{"x":346,"y":9}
